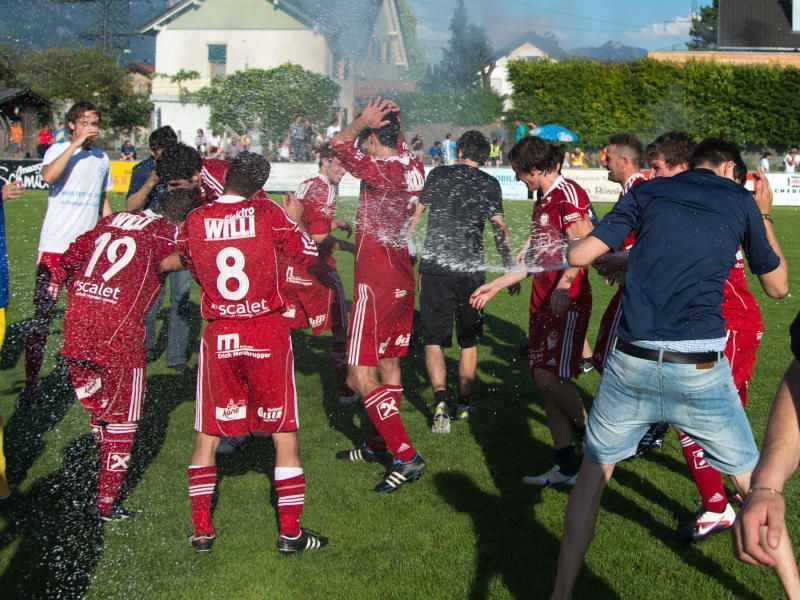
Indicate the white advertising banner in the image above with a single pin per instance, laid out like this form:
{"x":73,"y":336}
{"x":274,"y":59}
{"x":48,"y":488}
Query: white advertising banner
{"x":287,"y":177}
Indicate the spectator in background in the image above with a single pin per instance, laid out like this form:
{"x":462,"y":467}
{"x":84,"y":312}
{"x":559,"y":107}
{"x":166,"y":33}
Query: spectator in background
{"x":284,"y":152}
{"x":15,"y":139}
{"x":332,"y":129}
{"x":232,"y":149}
{"x":449,"y":150}
{"x":297,"y":136}
{"x":308,"y":140}
{"x":764,"y":162}
{"x":254,"y":133}
{"x":200,"y":142}
{"x":500,"y":134}
{"x":566,"y":164}
{"x":60,"y":133}
{"x":495,"y":154}
{"x":435,"y":153}
{"x":127,"y":151}
{"x":8,"y":191}
{"x":246,"y":141}
{"x":577,"y":159}
{"x":44,"y":139}
{"x":791,"y":161}
{"x":213,"y":145}
{"x":418,"y":147}
{"x":519,"y":130}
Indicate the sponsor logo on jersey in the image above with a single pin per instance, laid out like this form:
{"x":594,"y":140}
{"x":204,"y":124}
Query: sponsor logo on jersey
{"x":227,"y":341}
{"x":241,"y":224}
{"x":403,"y":340}
{"x":128,"y":221}
{"x":292,"y":278}
{"x":228,"y":346}
{"x":387,"y":408}
{"x":382,"y":347}
{"x":415,"y":181}
{"x":235,"y":411}
{"x":92,"y":386}
{"x":544,"y":219}
{"x":552,"y":340}
{"x":269,"y":414}
{"x":118,"y":461}
{"x":572,"y":217}
{"x":242,"y":309}
{"x":398,"y":293}
{"x":318,"y":321}
{"x":96,"y":291}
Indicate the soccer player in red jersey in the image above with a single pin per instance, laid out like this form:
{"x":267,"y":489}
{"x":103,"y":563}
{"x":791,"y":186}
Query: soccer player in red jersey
{"x":112,"y":274}
{"x":246,"y":371}
{"x":669,"y":155}
{"x":561,"y":299}
{"x":315,"y":296}
{"x":383,"y":306}
{"x":623,"y":157}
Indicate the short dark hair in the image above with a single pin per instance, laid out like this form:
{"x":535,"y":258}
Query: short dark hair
{"x":714,"y":152}
{"x":326,"y":153}
{"x":163,"y":137}
{"x":740,"y":172}
{"x":631,"y":143}
{"x":77,"y":110}
{"x":473,"y":145}
{"x":178,"y":162}
{"x":388,"y":134}
{"x":535,"y":153}
{"x":178,"y":203}
{"x":247,"y":174}
{"x":674,"y":147}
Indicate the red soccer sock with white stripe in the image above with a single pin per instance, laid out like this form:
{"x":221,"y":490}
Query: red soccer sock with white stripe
{"x":290,"y":485}
{"x":202,"y":481}
{"x":115,"y":457}
{"x":707,"y":479}
{"x":383,"y":408}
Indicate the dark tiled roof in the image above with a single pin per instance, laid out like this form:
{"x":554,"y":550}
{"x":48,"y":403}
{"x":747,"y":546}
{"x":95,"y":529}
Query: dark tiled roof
{"x":751,"y":24}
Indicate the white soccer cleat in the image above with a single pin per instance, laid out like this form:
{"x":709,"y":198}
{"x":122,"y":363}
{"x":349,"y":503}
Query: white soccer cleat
{"x":705,"y":524}
{"x":552,"y":477}
{"x":441,"y":419}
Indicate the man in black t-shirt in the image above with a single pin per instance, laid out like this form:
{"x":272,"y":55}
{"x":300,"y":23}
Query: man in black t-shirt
{"x":460,"y":199}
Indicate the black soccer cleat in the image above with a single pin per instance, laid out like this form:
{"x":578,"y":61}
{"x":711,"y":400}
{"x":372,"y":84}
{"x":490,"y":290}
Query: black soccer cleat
{"x":202,"y":543}
{"x":400,"y":473}
{"x":364,"y":454}
{"x":307,"y":540}
{"x":653,"y":439}
{"x":117,"y":514}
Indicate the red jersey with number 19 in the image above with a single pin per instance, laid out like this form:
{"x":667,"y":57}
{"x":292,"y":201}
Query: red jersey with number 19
{"x":390,"y":189}
{"x":112,"y":275}
{"x":231,"y":247}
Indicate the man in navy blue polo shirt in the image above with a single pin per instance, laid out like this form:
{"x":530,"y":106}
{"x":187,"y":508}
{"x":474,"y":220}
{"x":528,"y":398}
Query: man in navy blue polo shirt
{"x":668,"y":363}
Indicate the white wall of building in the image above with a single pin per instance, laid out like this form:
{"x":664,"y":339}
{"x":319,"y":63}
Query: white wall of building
{"x":185,"y":119}
{"x":499,"y":78}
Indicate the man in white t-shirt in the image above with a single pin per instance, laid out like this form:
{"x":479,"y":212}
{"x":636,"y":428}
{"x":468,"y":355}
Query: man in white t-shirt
{"x":332,"y":129}
{"x":79,"y":177}
{"x":791,"y":161}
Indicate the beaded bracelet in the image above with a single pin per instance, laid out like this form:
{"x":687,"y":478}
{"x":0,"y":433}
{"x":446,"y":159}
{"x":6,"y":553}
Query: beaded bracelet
{"x":765,"y":489}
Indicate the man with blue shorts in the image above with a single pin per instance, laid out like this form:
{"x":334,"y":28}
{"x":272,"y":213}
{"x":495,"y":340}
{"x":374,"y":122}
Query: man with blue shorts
{"x":668,"y":362}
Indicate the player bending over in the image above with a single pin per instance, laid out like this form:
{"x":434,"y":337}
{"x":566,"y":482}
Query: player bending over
{"x":112,"y":274}
{"x":246,"y":370}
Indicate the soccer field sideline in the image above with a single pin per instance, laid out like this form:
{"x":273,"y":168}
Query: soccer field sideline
{"x":468,"y":528}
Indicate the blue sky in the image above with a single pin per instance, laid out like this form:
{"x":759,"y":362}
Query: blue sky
{"x":649,"y":24}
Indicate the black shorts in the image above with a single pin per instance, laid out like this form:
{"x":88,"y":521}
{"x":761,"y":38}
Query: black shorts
{"x":443,"y":298}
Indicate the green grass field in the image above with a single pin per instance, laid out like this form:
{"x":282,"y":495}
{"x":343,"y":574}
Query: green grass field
{"x":468,"y":528}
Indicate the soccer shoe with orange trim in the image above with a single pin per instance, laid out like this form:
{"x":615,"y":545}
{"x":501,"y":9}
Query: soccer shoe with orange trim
{"x":400,"y":473}
{"x":706,"y":524}
{"x":202,"y":543}
{"x":307,"y":540}
{"x":364,"y":454}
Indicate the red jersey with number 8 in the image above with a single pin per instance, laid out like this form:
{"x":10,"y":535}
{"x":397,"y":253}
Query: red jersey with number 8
{"x":232,"y":246}
{"x":112,"y":276}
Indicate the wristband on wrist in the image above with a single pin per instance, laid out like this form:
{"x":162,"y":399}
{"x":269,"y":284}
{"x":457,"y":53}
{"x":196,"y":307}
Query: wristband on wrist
{"x":760,"y":488}
{"x":767,"y":217}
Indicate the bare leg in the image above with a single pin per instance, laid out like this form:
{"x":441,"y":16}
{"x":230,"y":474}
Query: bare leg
{"x":434,"y":363}
{"x":564,"y":395}
{"x":287,"y":449}
{"x":205,"y":450}
{"x":389,"y":371}
{"x":579,"y":524}
{"x":466,"y":370}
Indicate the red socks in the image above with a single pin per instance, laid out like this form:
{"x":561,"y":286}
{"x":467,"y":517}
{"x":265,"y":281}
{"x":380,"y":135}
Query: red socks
{"x":383,"y":408}
{"x":290,"y":485}
{"x":202,"y":481}
{"x":707,"y":479}
{"x":115,"y":456}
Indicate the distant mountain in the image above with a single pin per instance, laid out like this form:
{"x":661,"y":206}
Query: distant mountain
{"x":612,"y":51}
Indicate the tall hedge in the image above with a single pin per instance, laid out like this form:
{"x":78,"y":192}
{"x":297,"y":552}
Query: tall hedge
{"x":478,"y":107}
{"x":756,"y":106}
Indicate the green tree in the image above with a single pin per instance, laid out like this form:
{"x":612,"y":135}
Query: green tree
{"x":463,"y":60}
{"x":704,"y":28}
{"x":270,"y":98}
{"x":66,"y":75}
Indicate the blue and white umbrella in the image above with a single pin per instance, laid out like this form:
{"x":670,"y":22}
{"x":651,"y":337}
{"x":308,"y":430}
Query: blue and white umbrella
{"x":555,"y":133}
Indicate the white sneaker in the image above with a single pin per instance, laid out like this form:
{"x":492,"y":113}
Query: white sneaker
{"x":552,"y":477}
{"x":346,"y":400}
{"x":441,"y":419}
{"x":706,"y":523}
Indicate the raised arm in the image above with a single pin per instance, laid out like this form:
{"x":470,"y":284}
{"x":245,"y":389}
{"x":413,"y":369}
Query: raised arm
{"x":776,"y":282}
{"x":52,"y":171}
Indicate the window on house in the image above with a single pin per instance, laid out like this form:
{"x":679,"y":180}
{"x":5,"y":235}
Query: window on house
{"x":217,"y":58}
{"x":384,"y":51}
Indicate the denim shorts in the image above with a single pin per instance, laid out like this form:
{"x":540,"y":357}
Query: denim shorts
{"x":703,"y":403}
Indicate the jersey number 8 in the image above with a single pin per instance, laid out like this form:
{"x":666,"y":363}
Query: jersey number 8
{"x":231,"y":270}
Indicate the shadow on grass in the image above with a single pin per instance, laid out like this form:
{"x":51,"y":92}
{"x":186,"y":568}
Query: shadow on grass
{"x":58,"y":546}
{"x":14,"y":344}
